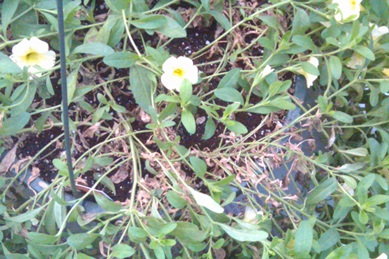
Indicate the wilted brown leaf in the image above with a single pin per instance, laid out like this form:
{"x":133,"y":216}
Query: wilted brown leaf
{"x":8,"y":160}
{"x":120,"y":175}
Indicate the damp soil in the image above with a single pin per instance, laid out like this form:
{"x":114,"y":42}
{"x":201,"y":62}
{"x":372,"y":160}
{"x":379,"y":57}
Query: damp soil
{"x":82,"y":111}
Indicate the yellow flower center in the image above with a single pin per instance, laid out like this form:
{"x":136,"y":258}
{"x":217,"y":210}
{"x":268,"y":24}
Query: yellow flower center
{"x":33,"y":58}
{"x":353,"y":4}
{"x":178,"y":72}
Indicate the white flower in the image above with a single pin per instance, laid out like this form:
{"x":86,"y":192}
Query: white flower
{"x":250,"y":215}
{"x":175,"y":70}
{"x":382,"y":256}
{"x":348,"y":10}
{"x":309,"y":78}
{"x":385,"y":71}
{"x":34,"y":54}
{"x":266,"y":71}
{"x":378,"y":31}
{"x":356,"y":61}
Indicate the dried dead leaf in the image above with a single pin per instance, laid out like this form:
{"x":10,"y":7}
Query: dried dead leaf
{"x":8,"y":160}
{"x":35,"y":173}
{"x":120,"y":175}
{"x":90,"y":132}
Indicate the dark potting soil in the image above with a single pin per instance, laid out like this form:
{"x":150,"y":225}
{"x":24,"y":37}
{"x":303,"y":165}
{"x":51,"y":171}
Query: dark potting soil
{"x":196,"y":39}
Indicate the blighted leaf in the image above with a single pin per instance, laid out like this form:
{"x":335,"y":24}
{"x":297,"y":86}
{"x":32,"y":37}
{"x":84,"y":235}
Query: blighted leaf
{"x":206,"y":201}
{"x":245,"y":235}
{"x":123,"y":59}
{"x":323,"y":191}
{"x":364,"y":51}
{"x":8,"y":160}
{"x":94,"y":48}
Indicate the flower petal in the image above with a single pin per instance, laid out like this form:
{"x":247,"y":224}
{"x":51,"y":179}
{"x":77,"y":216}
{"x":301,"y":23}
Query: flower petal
{"x":22,"y":48}
{"x":38,"y":45}
{"x":169,"y":65}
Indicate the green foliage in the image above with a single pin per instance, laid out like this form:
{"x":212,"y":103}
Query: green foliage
{"x":181,"y":195}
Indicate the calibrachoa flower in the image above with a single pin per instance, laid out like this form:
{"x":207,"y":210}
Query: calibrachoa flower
{"x":378,"y":31}
{"x":348,"y":10}
{"x":176,"y":70}
{"x":309,"y":77}
{"x":356,"y":61}
{"x":266,"y":71}
{"x":386,"y":71}
{"x":34,"y":54}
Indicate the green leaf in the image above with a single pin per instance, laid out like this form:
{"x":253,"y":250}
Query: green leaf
{"x":322,"y":191}
{"x":189,"y":122}
{"x":384,"y":86}
{"x":150,"y":22}
{"x":377,"y":200}
{"x":364,"y":51}
{"x":245,"y":235}
{"x":40,"y":238}
{"x":118,"y":5}
{"x":8,"y":10}
{"x":356,"y":152}
{"x":122,"y":251}
{"x":199,"y":166}
{"x":94,"y":48}
{"x":304,"y":239}
{"x":310,"y":69}
{"x":15,"y":123}
{"x":105,"y":203}
{"x":209,"y":130}
{"x":72,"y":83}
{"x":220,"y":18}
{"x":80,"y":241}
{"x":8,"y":66}
{"x":186,"y":91}
{"x":328,"y":239}
{"x":341,"y":116}
{"x":229,"y":94}
{"x":335,"y":67}
{"x":61,"y":166}
{"x":237,"y":127}
{"x":304,"y":41}
{"x":172,"y":29}
{"x":137,"y":235}
{"x":301,"y":22}
{"x":230,"y":79}
{"x":142,"y":86}
{"x":175,"y":200}
{"x":29,"y":215}
{"x":123,"y":59}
